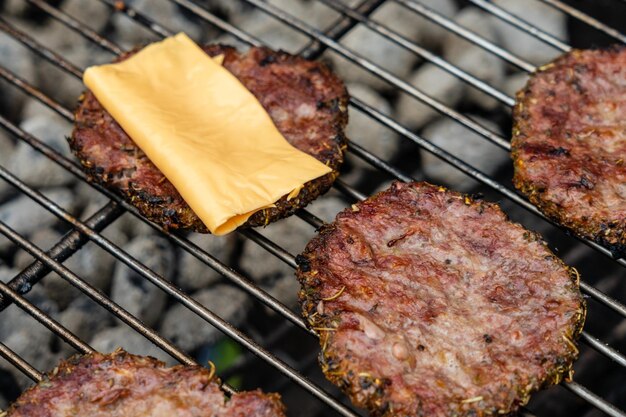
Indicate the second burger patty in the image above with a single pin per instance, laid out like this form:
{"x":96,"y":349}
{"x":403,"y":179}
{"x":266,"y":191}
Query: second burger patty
{"x":429,"y":303}
{"x":306,"y":101}
{"x":569,"y":143}
{"x":120,"y":384}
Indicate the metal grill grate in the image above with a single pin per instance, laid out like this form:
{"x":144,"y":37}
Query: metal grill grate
{"x":320,"y":42}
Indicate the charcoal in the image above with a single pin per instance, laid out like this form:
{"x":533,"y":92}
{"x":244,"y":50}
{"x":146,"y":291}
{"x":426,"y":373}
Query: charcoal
{"x":473,"y":59}
{"x":85,"y":319}
{"x":92,"y":13}
{"x":523,"y":44}
{"x":16,"y":58}
{"x":129,"y":34}
{"x":133,"y":291}
{"x":26,"y":216}
{"x":378,"y":49}
{"x":272,"y":32}
{"x":55,"y":288}
{"x":328,"y":207}
{"x":7,"y":148}
{"x":34,"y":168}
{"x":514,"y":83}
{"x":465,"y":144}
{"x":189,"y":332}
{"x":313,"y":13}
{"x":431,"y":34}
{"x":368,"y":133}
{"x":194,"y":274}
{"x":27,"y":337}
{"x":108,"y":340}
{"x":292,"y":234}
{"x":439,"y":85}
{"x":285,"y":289}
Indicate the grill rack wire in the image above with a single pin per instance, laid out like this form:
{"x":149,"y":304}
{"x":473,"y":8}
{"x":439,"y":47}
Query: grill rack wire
{"x":320,"y":41}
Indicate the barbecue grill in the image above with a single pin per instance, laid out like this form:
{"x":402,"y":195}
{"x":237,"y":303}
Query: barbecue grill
{"x":264,"y":350}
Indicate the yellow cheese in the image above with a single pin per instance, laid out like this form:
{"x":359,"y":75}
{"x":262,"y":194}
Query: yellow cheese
{"x":204,"y":130}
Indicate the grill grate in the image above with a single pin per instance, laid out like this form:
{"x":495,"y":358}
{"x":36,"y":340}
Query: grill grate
{"x":320,"y":41}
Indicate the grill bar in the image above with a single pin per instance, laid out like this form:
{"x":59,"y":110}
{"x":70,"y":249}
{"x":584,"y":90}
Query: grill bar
{"x":519,"y":23}
{"x":37,"y":48}
{"x":591,"y":398}
{"x":376,"y":162}
{"x":19,"y":282}
{"x":46,"y":320}
{"x":17,"y":361}
{"x":76,"y":26}
{"x":339,"y":28}
{"x":95,"y":294}
{"x":163,"y":284}
{"x":424,"y":53}
{"x":604,"y":349}
{"x":468,"y":169}
{"x":217,"y":22}
{"x":314,"y":220}
{"x":583,"y":17}
{"x":65,"y":248}
{"x":93,"y":36}
{"x":145,"y":21}
{"x":466,"y":34}
{"x":268,"y":300}
{"x":383,"y":119}
{"x":596,"y":294}
{"x":376,"y":70}
{"x":29,"y":89}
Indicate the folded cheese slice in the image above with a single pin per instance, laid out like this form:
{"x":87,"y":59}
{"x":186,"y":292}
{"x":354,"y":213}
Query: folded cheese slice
{"x":203,"y":129}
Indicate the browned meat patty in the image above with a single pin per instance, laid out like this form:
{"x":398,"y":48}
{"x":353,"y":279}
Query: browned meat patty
{"x":125,"y":385}
{"x":429,"y":303}
{"x":569,"y":144}
{"x":306,"y":101}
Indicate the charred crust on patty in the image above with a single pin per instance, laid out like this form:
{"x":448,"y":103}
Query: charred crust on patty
{"x":280,"y":81}
{"x":568,"y":146}
{"x":347,"y":256}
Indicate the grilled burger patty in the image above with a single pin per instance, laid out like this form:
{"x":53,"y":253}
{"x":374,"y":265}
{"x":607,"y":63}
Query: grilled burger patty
{"x":125,"y":385}
{"x":306,"y":101}
{"x":569,"y":144}
{"x":430,"y":303}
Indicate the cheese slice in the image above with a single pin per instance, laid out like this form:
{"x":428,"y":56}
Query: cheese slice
{"x":204,"y":131}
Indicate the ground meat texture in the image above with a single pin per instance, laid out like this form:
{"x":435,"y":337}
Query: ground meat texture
{"x":125,"y":385}
{"x":569,"y":144}
{"x":430,"y":303}
{"x":306,"y":101}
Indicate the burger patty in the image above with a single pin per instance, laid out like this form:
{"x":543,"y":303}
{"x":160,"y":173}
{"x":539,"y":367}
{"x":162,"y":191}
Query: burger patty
{"x":125,"y":385}
{"x":431,"y":303}
{"x":306,"y":101}
{"x":569,"y":144}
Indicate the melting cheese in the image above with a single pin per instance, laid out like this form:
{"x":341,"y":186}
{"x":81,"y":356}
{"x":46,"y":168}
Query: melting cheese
{"x":204,"y":130}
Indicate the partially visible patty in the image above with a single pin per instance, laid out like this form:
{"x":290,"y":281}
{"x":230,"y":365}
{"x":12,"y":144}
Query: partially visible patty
{"x":569,"y":144}
{"x":306,"y":101}
{"x":125,"y":385}
{"x":430,"y":303}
